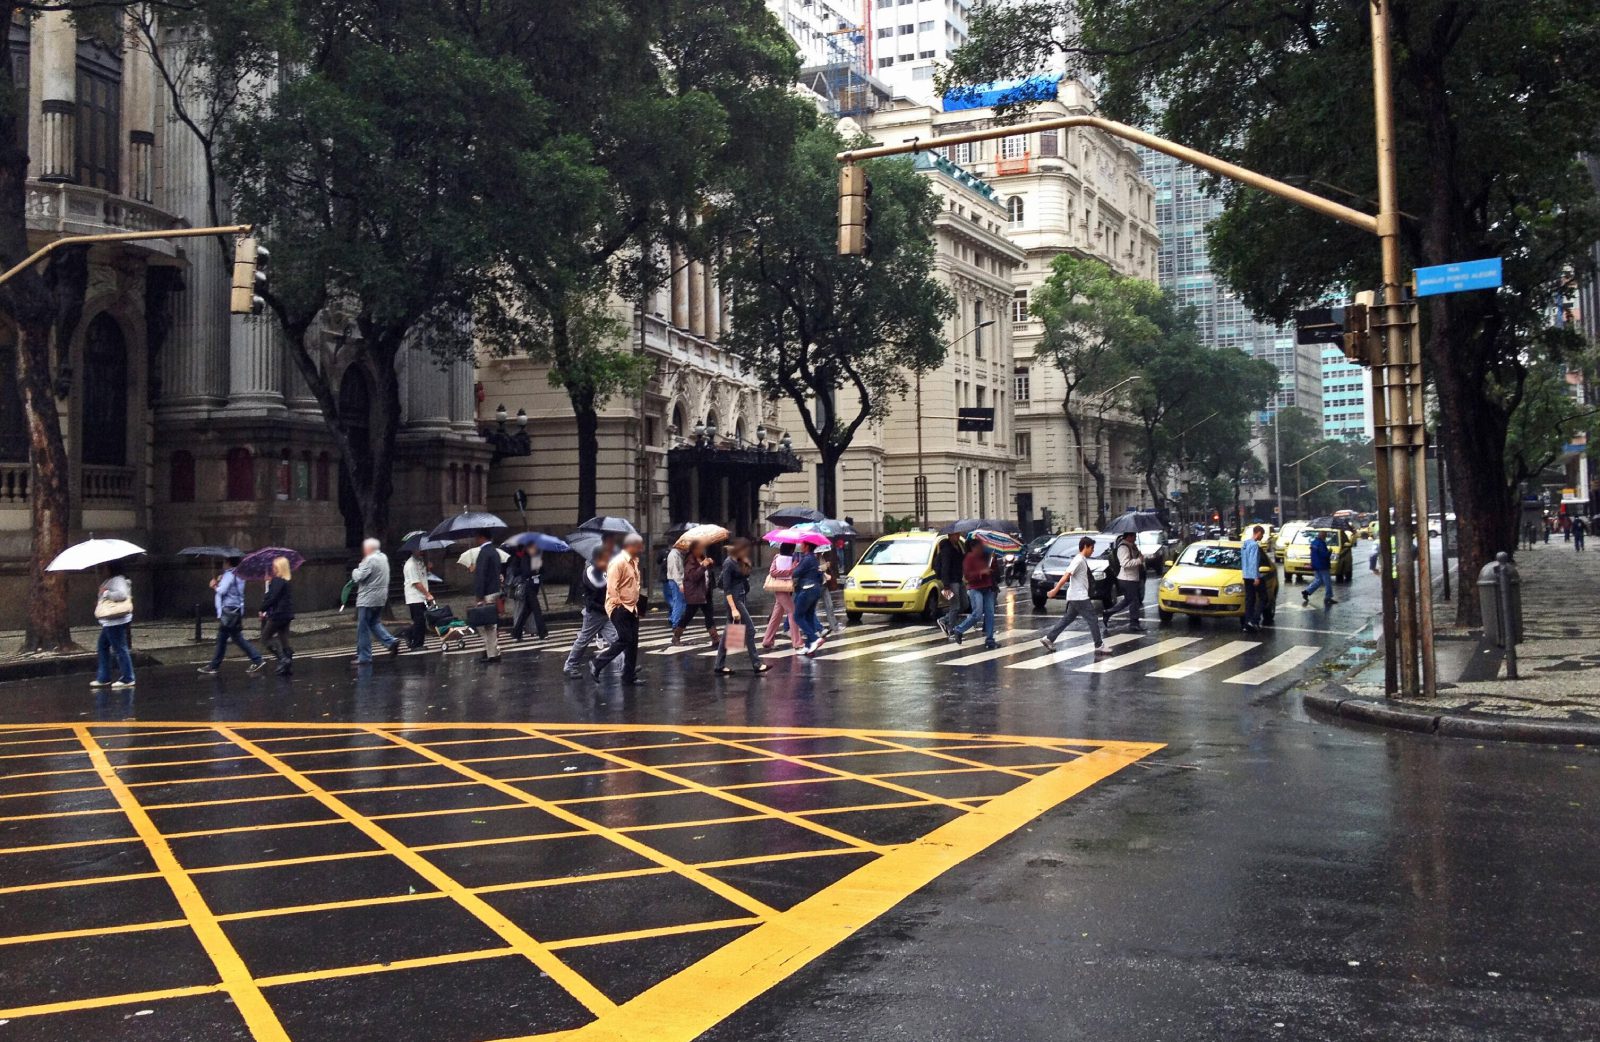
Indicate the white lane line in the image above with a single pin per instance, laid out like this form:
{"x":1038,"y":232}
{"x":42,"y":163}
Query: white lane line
{"x":1031,"y":644}
{"x":912,"y":656}
{"x":1214,"y":657}
{"x":785,"y":648}
{"x":1275,"y":666}
{"x":873,"y":649}
{"x":1153,"y":651}
{"x":1076,"y":651}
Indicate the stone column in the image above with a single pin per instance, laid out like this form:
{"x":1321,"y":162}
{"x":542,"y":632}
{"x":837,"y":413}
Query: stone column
{"x":296,"y":393}
{"x":255,"y":364}
{"x":697,"y":298}
{"x":55,"y":54}
{"x":426,"y":393}
{"x":463,"y":396}
{"x":713,"y":302}
{"x":138,"y":117}
{"x":680,"y":295}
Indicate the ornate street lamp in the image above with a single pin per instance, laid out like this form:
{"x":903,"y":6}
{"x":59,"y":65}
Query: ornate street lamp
{"x":508,"y":443}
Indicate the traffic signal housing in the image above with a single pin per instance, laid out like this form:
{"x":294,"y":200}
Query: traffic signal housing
{"x":855,"y":212}
{"x":249,"y":278}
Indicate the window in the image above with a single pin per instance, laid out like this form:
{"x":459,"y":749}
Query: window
{"x":982,"y":402}
{"x":302,"y":476}
{"x":285,"y":475}
{"x":961,"y":153}
{"x":241,"y":475}
{"x":1021,"y":385}
{"x":1019,"y":307}
{"x":924,"y":54}
{"x":885,"y":3}
{"x":105,"y":394}
{"x":13,"y":424}
{"x":1049,"y":143}
{"x":907,"y":30}
{"x":324,"y":476}
{"x":19,"y":77}
{"x":180,"y":480}
{"x":1013,"y":147}
{"x":922,"y":72}
{"x":977,"y":331}
{"x":886,"y":32}
{"x":884,"y":63}
{"x":924,"y":27}
{"x":99,"y":116}
{"x":1023,"y":444}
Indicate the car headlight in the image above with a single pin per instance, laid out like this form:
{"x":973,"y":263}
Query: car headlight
{"x":1168,"y":584}
{"x":849,"y":582}
{"x":912,"y":583}
{"x":1233,"y":589}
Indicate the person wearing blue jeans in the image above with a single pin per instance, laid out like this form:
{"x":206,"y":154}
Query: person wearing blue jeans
{"x":1322,"y":567}
{"x":1254,"y":589}
{"x":977,"y":574}
{"x":229,"y":603}
{"x":371,"y":577}
{"x":673,"y":588}
{"x":807,"y":592}
{"x":114,"y":611}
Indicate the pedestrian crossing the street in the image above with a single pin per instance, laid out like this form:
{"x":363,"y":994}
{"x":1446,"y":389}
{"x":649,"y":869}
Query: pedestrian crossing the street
{"x":918,"y":645}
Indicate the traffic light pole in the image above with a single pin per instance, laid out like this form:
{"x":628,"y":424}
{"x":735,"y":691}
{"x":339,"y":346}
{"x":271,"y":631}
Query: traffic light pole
{"x":84,"y":240}
{"x":1397,"y":375}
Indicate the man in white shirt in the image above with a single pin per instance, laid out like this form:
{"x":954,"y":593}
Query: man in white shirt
{"x":418,"y":598}
{"x":1076,"y":581}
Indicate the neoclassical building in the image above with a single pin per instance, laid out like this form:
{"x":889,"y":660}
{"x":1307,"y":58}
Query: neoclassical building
{"x":185,"y":424}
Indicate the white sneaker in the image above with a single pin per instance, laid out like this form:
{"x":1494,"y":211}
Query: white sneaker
{"x":1048,"y":643}
{"x":99,"y":683}
{"x":122,"y":685}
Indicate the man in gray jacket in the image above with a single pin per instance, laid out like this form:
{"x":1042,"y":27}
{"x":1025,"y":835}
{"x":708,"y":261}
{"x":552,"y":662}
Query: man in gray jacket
{"x":371,"y":577}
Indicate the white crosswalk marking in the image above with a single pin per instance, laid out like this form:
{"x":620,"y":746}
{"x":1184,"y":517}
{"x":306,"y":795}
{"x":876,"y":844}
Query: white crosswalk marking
{"x":785,"y":649}
{"x":1076,"y":651}
{"x":1029,"y":642}
{"x":1216,"y":656}
{"x":1005,"y":637}
{"x":1124,"y":661}
{"x":1275,"y":666}
{"x":873,"y":649}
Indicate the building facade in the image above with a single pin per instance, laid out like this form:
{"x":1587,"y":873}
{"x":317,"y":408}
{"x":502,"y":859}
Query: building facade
{"x":1346,"y":398}
{"x":185,"y":424}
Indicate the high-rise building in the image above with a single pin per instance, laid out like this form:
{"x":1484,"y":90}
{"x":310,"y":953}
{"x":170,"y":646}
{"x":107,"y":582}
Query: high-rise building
{"x":908,"y":39}
{"x":1346,"y":401}
{"x":1184,"y":213}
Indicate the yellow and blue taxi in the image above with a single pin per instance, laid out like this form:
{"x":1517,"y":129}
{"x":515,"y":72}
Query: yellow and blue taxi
{"x":1341,"y":547}
{"x":895,"y":577}
{"x":1206,"y":579}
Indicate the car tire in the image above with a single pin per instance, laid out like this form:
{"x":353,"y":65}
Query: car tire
{"x":1163,"y":617}
{"x":852,"y":617}
{"x":930,"y":607}
{"x":1039,"y":603}
{"x":1194,"y":621}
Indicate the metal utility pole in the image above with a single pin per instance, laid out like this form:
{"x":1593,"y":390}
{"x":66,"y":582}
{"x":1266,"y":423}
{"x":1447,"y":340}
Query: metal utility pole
{"x":84,"y":240}
{"x":1396,"y":372}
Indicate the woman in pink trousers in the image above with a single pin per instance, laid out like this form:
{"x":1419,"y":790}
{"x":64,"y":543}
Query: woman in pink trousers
{"x":781,"y":585}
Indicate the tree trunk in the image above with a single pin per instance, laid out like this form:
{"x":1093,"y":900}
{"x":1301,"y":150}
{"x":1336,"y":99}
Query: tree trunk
{"x":828,"y":480}
{"x":377,"y":490}
{"x":1092,"y":465}
{"x":49,"y":494}
{"x":588,"y":419}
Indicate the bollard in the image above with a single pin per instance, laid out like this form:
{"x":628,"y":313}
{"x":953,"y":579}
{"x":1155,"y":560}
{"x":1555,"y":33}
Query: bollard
{"x":197,"y":635}
{"x":1500,"y":597}
{"x":1510,"y":620}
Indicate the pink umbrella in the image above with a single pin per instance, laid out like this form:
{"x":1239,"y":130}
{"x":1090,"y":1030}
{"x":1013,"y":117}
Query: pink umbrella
{"x":794,"y":535}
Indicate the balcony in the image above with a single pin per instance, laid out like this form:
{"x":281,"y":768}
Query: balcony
{"x":14,"y":479}
{"x":1006,"y":165}
{"x":103,"y":485}
{"x":57,"y":209}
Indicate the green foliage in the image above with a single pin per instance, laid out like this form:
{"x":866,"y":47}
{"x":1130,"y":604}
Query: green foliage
{"x":1548,"y":416}
{"x":813,"y":326}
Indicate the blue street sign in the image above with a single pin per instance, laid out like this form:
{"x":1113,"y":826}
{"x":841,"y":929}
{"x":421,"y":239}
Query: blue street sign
{"x":1458,"y":278}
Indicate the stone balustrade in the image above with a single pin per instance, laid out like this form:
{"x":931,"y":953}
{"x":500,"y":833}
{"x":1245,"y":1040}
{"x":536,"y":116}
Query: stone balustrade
{"x":14,"y":481}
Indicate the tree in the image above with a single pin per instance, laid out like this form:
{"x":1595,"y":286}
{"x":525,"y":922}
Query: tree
{"x":810,"y":324}
{"x":1548,"y":416}
{"x":1092,"y":318}
{"x":1490,"y":136}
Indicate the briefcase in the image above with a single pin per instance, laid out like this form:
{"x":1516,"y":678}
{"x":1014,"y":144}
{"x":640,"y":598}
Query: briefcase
{"x":481,"y":615}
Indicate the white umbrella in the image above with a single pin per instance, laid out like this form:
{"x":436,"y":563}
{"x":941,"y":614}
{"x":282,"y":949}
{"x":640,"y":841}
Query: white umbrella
{"x":92,"y":552}
{"x":469,"y":559}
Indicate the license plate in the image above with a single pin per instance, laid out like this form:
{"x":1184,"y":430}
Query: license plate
{"x":877,"y":600}
{"x":1198,"y":601}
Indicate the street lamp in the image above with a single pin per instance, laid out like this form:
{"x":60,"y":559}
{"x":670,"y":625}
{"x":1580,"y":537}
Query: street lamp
{"x":1296,"y":466}
{"x":506,"y":443}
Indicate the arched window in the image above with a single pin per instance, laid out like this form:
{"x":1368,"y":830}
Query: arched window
{"x":285,"y":477}
{"x":241,"y":475}
{"x":181,"y":477}
{"x":324,"y":477}
{"x":105,"y":394}
{"x":1014,"y":209}
{"x":302,"y":475}
{"x":679,"y":421}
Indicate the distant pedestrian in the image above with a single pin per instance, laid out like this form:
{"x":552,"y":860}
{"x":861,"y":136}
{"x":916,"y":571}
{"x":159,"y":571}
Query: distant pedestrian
{"x":948,"y":558}
{"x":977,"y":575}
{"x":1129,"y":561}
{"x":1250,"y":573}
{"x":1322,"y":568}
{"x":527,"y":579}
{"x":699,"y":576}
{"x":418,"y":598}
{"x":1566,"y":529}
{"x":113,"y":610}
{"x":228,"y":599}
{"x":371,"y":578}
{"x":828,"y":558}
{"x":1579,"y":530}
{"x":807,"y":593}
{"x":735,"y":594}
{"x":1075,"y":580}
{"x":277,"y":613}
{"x":780,"y":583}
{"x":622,"y":606}
{"x":486,"y":587}
{"x":1528,"y":534}
{"x":594,"y":621}
{"x":672,"y":586}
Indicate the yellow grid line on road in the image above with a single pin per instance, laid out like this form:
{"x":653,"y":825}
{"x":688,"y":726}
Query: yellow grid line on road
{"x":387,"y":967}
{"x":51,"y":792}
{"x":940,"y":754}
{"x":575,"y":985}
{"x":102,"y":1001}
{"x":62,"y":884}
{"x":92,"y":931}
{"x":659,"y":931}
{"x":246,"y":996}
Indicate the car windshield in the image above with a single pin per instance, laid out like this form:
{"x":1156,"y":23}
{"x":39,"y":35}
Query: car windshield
{"x":1311,"y":533}
{"x":1202,"y":556}
{"x":898,"y":551}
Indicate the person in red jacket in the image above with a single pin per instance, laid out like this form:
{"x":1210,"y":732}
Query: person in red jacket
{"x":977,"y":574}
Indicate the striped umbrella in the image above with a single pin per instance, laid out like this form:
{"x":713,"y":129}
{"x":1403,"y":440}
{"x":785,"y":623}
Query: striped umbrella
{"x":999,"y":542}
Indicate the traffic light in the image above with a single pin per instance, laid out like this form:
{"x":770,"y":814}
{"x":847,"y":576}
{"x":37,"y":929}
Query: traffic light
{"x":249,"y":278}
{"x":855,"y":212}
{"x":1359,"y":343}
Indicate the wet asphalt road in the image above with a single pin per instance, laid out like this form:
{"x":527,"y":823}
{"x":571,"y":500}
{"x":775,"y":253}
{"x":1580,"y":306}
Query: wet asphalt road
{"x":1264,"y":875}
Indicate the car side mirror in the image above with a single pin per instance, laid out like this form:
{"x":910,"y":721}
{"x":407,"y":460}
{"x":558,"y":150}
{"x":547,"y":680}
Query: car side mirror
{"x":1166,"y":566}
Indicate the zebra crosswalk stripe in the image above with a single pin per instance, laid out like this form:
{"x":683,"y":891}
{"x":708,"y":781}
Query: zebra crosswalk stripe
{"x":788,"y":650}
{"x":873,"y":649}
{"x":990,"y":654}
{"x":1214,"y":657}
{"x":1275,"y":666}
{"x":1155,"y":650}
{"x":1076,"y":651}
{"x":912,"y":656}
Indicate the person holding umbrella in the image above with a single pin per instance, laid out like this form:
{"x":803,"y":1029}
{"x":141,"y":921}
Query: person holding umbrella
{"x":1130,"y":582}
{"x":622,"y":606}
{"x":229,"y":602}
{"x":735,"y":592}
{"x":672,"y":587}
{"x":807,"y":578}
{"x":527,"y":568}
{"x":699,"y":572}
{"x":486,"y":587}
{"x":371,"y":578}
{"x":780,"y":583}
{"x":948,"y":567}
{"x":595,"y":622}
{"x":277,"y":613}
{"x":113,"y":610}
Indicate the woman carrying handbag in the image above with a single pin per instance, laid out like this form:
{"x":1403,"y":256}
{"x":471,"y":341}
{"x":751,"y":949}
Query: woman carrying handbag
{"x":698,"y":572}
{"x":735,"y":593}
{"x":780,"y":583}
{"x":113,"y":610}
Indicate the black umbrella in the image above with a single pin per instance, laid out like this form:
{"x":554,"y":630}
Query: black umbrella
{"x":796,"y":516}
{"x":608,"y":526}
{"x":419,"y":540}
{"x":678,"y":529}
{"x":586,"y":544}
{"x":972,"y":524}
{"x":211,"y":551}
{"x":468,"y":522}
{"x":1137,"y":521}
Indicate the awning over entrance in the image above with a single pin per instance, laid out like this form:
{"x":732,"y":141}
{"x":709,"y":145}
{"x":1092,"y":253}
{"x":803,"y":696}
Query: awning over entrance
{"x":723,"y":485}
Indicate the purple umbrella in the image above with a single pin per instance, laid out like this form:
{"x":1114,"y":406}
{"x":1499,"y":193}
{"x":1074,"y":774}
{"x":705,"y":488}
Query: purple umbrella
{"x":258,"y":565}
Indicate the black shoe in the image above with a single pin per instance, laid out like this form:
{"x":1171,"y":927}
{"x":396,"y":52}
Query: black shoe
{"x":574,"y":673}
{"x":594,"y":673}
{"x":284,"y":670}
{"x":394,"y":649}
{"x":1305,"y":598}
{"x":1247,"y":628}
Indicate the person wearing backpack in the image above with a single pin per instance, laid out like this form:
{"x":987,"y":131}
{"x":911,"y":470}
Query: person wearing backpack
{"x":1129,"y":561}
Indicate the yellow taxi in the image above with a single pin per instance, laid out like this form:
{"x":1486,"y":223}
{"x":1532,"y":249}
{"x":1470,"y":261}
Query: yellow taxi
{"x":1206,"y":580}
{"x":1285,"y":536}
{"x":1341,"y":546}
{"x":895,"y":577}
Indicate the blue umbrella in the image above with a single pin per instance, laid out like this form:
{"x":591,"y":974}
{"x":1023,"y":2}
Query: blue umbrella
{"x":546,"y":543}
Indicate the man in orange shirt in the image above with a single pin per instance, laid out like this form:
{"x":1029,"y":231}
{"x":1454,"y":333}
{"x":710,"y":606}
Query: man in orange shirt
{"x":622,"y":606}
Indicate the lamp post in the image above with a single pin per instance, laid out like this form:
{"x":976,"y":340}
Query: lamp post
{"x":507,"y":443}
{"x":919,"y":494}
{"x":1296,"y":466}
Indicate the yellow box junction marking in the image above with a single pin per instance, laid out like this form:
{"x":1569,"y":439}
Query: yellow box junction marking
{"x":891,"y":772}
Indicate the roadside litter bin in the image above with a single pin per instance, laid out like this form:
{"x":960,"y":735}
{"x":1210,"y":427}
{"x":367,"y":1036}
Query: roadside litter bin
{"x":1500,"y":597}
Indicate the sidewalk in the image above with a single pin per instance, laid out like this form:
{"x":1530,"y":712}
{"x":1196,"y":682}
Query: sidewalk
{"x":1557,"y":694}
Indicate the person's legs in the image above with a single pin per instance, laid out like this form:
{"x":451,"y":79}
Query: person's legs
{"x":1252,"y":603}
{"x":953,"y":613}
{"x":535,"y":611}
{"x":675,"y":603}
{"x":988,"y":598}
{"x":418,"y":635}
{"x":491,"y":641}
{"x":364,"y":617}
{"x":519,"y":618}
{"x":749,"y":634}
{"x":791,"y":627}
{"x":614,"y":647}
{"x":385,"y":638}
{"x":973,"y":616}
{"x":588,"y":625}
{"x":627,"y":625}
{"x":772,"y":621}
{"x":102,"y":655}
{"x":221,"y":646}
{"x":1094,"y":623}
{"x":1066,"y":620}
{"x":244,"y":644}
{"x":1313,"y":586}
{"x":805,"y":615}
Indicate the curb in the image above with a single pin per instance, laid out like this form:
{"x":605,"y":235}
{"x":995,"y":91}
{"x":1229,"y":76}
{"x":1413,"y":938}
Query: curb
{"x":1334,"y":701}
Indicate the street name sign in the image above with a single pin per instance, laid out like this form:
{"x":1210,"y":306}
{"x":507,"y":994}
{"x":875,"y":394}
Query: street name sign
{"x":1458,"y":278}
